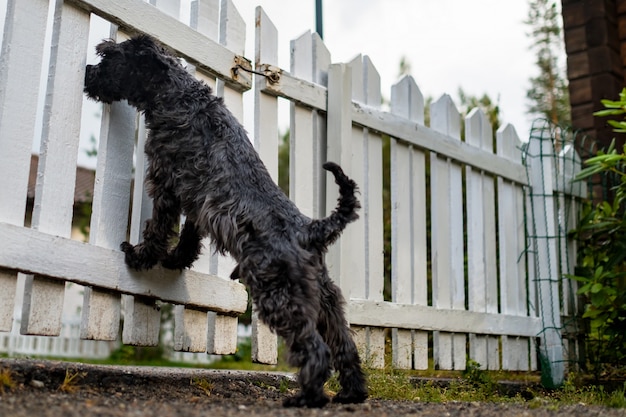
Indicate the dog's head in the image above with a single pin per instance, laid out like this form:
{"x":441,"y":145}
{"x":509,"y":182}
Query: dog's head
{"x":134,"y":70}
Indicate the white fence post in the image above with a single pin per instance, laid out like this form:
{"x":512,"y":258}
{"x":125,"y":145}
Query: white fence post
{"x":366,"y":235}
{"x":20,"y":64}
{"x":512,"y":243}
{"x":543,"y":235}
{"x":481,"y":240}
{"x":447,"y":235}
{"x":223,"y":329}
{"x":408,"y":227}
{"x":111,"y":199}
{"x":264,"y":341}
{"x":54,"y":199}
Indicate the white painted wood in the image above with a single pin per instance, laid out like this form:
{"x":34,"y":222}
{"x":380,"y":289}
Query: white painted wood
{"x":568,"y":166}
{"x":20,"y":66}
{"x":303,"y":172}
{"x":264,"y":341}
{"x":408,"y":227}
{"x":513,"y":293}
{"x":137,"y":16}
{"x":366,"y":235}
{"x":190,"y":330}
{"x":101,"y":310}
{"x":294,"y":89}
{"x":222,"y":331}
{"x":309,"y":61}
{"x":432,"y":318}
{"x":171,"y":7}
{"x":205,"y":17}
{"x":222,"y":335}
{"x":447,"y":235}
{"x":142,"y":322}
{"x":481,"y":240}
{"x":546,"y":261}
{"x":54,"y":194}
{"x":339,"y":258}
{"x":567,"y":218}
{"x":66,"y":260}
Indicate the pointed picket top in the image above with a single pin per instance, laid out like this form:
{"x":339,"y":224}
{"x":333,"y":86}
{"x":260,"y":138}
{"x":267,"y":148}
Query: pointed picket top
{"x":205,"y":17}
{"x":301,"y":56}
{"x":568,"y":169}
{"x":365,"y":81}
{"x":508,"y":143}
{"x":321,"y":60}
{"x":445,"y":117}
{"x":371,"y":86}
{"x":232,"y":28}
{"x":407,"y":100}
{"x":266,"y":39}
{"x":356,"y":66}
{"x":478,"y":130}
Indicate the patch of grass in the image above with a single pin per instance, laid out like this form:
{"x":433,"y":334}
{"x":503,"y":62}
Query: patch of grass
{"x":6,"y":380}
{"x":71,"y":380}
{"x":204,"y":385}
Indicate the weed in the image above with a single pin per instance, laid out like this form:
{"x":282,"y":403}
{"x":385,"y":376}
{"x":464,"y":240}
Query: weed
{"x":71,"y":379}
{"x":284,"y":386}
{"x":204,"y":385}
{"x":6,"y":380}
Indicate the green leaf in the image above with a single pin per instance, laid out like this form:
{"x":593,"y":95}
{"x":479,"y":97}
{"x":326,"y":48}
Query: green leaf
{"x":604,"y":113}
{"x":596,"y":288}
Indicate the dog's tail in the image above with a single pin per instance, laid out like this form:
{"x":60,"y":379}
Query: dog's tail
{"x":326,"y":231}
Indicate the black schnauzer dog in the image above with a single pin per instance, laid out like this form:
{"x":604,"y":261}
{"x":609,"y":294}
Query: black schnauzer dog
{"x":202,"y":165}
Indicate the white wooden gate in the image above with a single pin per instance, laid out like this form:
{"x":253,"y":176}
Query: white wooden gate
{"x":461,"y":286}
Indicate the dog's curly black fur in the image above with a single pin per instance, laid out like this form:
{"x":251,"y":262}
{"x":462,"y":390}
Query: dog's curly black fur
{"x":202,"y":165}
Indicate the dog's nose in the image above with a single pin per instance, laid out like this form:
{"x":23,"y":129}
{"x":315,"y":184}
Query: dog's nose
{"x":88,"y":71}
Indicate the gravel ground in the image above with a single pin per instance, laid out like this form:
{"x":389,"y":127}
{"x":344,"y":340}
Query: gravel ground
{"x":118,"y":391}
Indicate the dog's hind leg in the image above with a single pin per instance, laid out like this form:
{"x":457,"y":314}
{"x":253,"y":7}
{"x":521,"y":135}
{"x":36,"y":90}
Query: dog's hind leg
{"x":286,"y":299}
{"x":334,"y":329}
{"x":187,"y":250}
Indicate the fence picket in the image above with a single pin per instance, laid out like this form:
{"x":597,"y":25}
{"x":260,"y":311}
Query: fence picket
{"x":567,"y":217}
{"x":408,"y":227}
{"x":20,"y":62}
{"x":447,"y":236}
{"x":57,"y":166}
{"x":264,"y":341}
{"x":102,"y":309}
{"x":513,"y":293}
{"x":222,"y":338}
{"x":366,"y":235}
{"x":340,"y":259}
{"x":481,"y":240}
{"x":543,"y":233}
{"x":307,"y":134}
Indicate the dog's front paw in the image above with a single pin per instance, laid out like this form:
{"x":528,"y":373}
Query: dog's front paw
{"x":136,"y":257}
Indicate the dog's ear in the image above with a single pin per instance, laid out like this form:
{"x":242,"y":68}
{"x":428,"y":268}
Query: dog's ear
{"x":150,"y":54}
{"x":107,"y":47}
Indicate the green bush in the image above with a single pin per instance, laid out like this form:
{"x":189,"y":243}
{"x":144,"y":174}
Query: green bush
{"x":601,"y":268}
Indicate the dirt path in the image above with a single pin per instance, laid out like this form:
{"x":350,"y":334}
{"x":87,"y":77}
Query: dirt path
{"x":141,"y":392}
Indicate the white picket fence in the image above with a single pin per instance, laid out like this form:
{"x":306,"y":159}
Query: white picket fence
{"x":465,"y":275}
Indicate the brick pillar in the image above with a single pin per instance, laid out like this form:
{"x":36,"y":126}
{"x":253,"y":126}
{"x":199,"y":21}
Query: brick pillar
{"x":595,"y":42}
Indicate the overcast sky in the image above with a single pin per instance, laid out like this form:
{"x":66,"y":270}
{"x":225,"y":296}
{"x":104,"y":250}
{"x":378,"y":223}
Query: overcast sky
{"x":478,"y":45}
